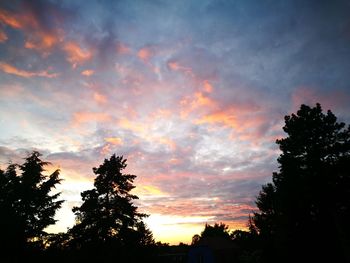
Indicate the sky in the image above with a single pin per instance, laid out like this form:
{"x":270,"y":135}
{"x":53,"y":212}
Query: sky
{"x":192,"y":93}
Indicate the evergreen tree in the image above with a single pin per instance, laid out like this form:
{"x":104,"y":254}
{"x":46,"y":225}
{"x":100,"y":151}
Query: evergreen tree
{"x":304,"y":212}
{"x":107,"y":214}
{"x":11,"y":227}
{"x":35,"y":206}
{"x":26,"y":205}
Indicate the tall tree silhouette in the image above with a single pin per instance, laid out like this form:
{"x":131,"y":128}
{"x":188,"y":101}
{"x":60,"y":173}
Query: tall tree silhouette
{"x":304,"y":212}
{"x":107,"y":214}
{"x":11,"y":227}
{"x":26,"y":203}
{"x":35,"y":205}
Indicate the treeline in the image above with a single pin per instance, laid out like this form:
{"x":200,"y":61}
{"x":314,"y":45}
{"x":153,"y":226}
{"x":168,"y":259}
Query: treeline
{"x":303,"y":215}
{"x":108,"y":224}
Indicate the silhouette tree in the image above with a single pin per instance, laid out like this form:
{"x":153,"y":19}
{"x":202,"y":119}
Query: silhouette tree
{"x":107,"y":215}
{"x":35,"y":205}
{"x":195,"y":239}
{"x":11,"y":228}
{"x":145,"y":236}
{"x":217,"y":230}
{"x":26,"y":204}
{"x":304,"y":213}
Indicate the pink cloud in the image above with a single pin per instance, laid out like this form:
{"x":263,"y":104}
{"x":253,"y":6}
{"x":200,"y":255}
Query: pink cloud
{"x":17,"y":21}
{"x":41,"y":40}
{"x":330,"y":99}
{"x":9,"y":69}
{"x":132,"y":126}
{"x":87,"y":72}
{"x":37,"y":36}
{"x":86,"y":117}
{"x":106,"y":150}
{"x":122,"y":48}
{"x":207,"y":86}
{"x":114,"y":140}
{"x":168,"y":142}
{"x":176,"y":66}
{"x":227,"y":118}
{"x":100,"y":98}
{"x":145,"y":54}
{"x":197,"y":102}
{"x":3,"y":36}
{"x":76,"y":55}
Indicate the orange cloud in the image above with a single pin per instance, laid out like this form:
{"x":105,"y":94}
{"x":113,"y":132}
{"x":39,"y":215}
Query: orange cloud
{"x":199,"y":101}
{"x":85,"y":117}
{"x":123,"y":49}
{"x":75,"y":54}
{"x":168,"y":142}
{"x":175,"y":66}
{"x":144,"y":54}
{"x":3,"y":36}
{"x":202,"y":100}
{"x":208,"y":87}
{"x":220,"y":117}
{"x":41,"y":41}
{"x":38,"y":38}
{"x":247,"y":122}
{"x":9,"y":69}
{"x":100,"y":98}
{"x":105,"y":149}
{"x":149,"y":190}
{"x":14,"y":21}
{"x":87,"y":72}
{"x":135,"y":127}
{"x":114,"y":140}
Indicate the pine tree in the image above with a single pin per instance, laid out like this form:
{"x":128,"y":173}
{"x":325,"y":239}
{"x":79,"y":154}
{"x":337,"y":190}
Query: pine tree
{"x":107,"y":214}
{"x":26,"y":205}
{"x":35,"y":206}
{"x":306,"y":208}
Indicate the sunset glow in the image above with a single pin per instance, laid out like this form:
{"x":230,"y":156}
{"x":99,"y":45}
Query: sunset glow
{"x":191,"y":93}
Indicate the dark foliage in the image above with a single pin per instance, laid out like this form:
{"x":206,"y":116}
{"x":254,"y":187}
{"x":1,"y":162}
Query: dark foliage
{"x":217,"y":230}
{"x":107,"y":221}
{"x":304,"y":213}
{"x":26,"y":205}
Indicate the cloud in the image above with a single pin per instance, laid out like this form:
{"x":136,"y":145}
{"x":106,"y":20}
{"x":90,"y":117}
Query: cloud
{"x":176,"y":66}
{"x":87,"y":117}
{"x":207,"y":86}
{"x":41,"y":41}
{"x":226,"y":118}
{"x":87,"y":72}
{"x":336,"y":99}
{"x":145,"y":54}
{"x":3,"y":36}
{"x":76,"y":55}
{"x":38,"y":35}
{"x":114,"y":140}
{"x":15,"y":20}
{"x":123,"y":49}
{"x":132,"y":126}
{"x":100,"y":98}
{"x":9,"y":69}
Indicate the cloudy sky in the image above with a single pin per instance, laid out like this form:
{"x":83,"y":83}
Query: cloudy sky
{"x":192,"y":93}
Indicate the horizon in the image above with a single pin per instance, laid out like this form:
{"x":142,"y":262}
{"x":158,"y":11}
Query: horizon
{"x":192,"y":93}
